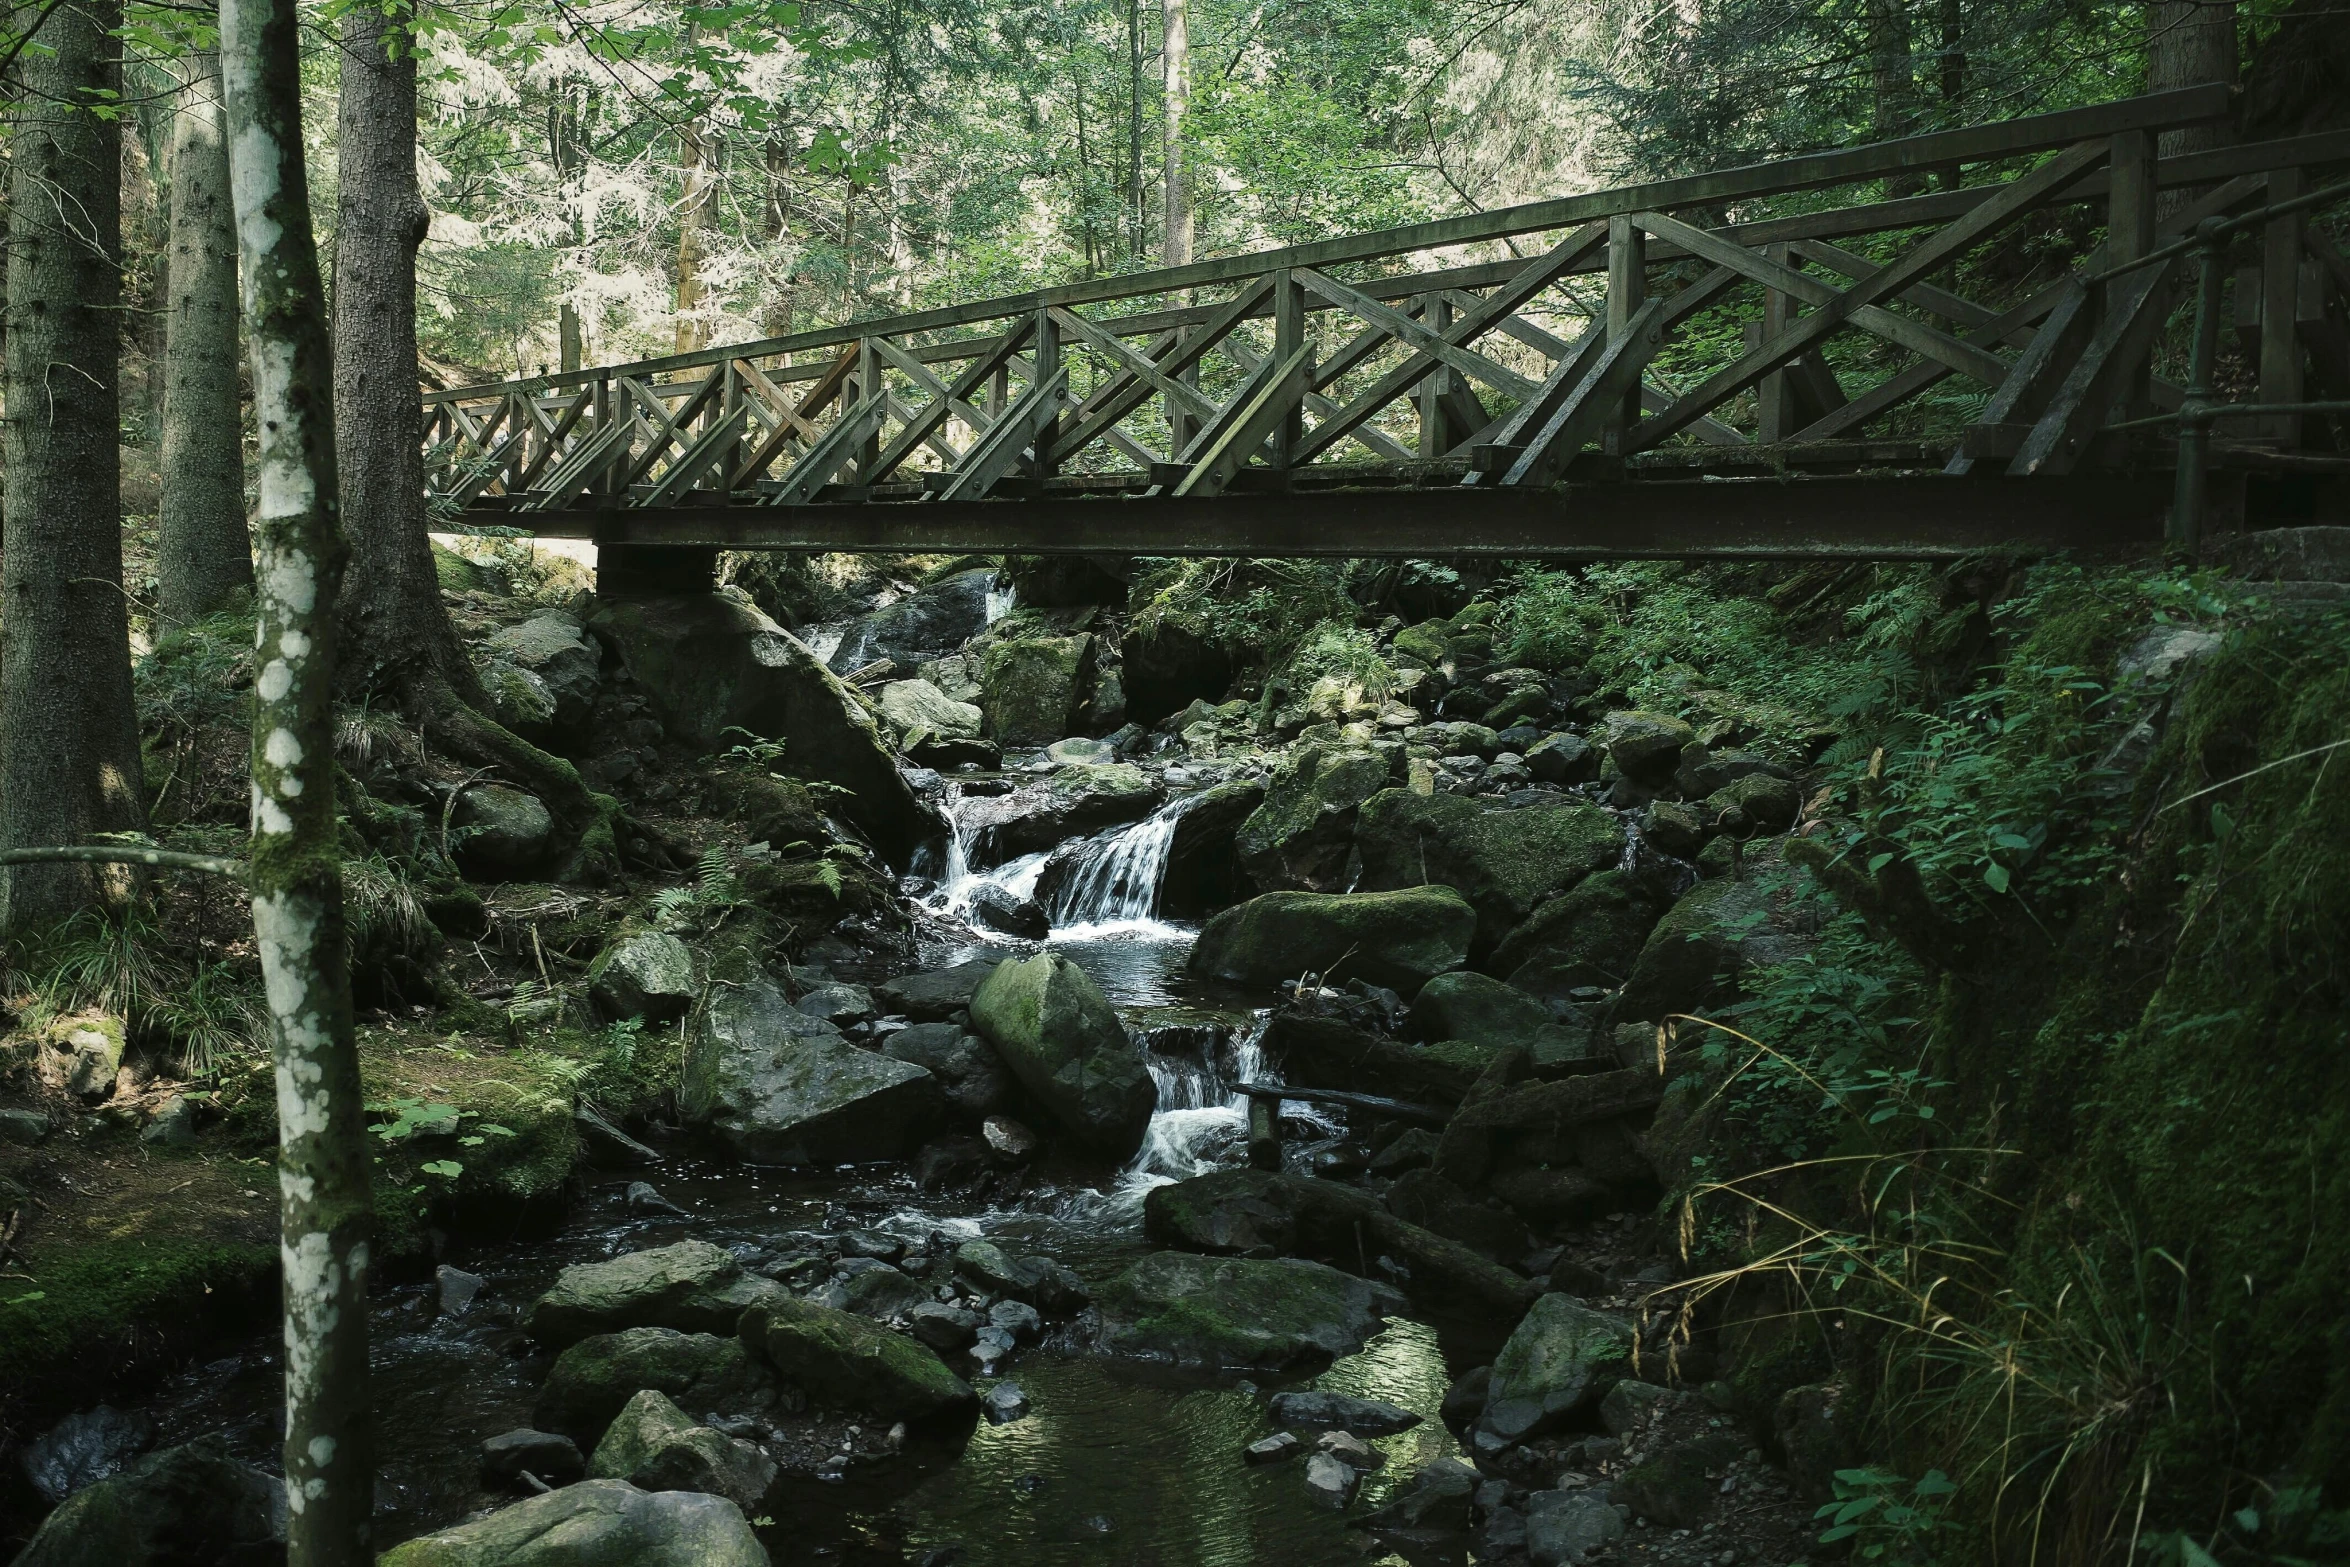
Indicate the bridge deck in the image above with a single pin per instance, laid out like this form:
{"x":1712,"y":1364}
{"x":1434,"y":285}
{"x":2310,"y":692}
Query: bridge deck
{"x":1725,"y":364}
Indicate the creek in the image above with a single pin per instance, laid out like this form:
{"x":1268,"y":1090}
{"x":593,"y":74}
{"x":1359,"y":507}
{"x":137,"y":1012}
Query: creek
{"x":1115,"y":1463}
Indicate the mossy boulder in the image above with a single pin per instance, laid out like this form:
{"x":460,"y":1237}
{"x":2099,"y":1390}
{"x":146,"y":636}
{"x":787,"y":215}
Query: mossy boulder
{"x":1401,"y":938}
{"x":916,"y":708}
{"x":1063,"y":1040}
{"x":1646,"y":747}
{"x":1764,"y":803}
{"x":704,"y":1373}
{"x":1080,"y":798}
{"x":644,"y":973}
{"x":1032,"y":689}
{"x":1478,"y":1008}
{"x":559,"y":657}
{"x":692,"y":1286}
{"x":712,"y":662}
{"x":1562,"y":1358}
{"x":596,"y":1523}
{"x":81,"y":1053}
{"x":1329,"y":1052}
{"x":1703,"y":946}
{"x":183,"y":1504}
{"x":1232,"y":1314}
{"x":656,"y":1446}
{"x":502,"y":834}
{"x":1591,"y":934}
{"x":843,"y":1362}
{"x":781,"y":1087}
{"x":1505,"y":862}
{"x":1301,"y":838}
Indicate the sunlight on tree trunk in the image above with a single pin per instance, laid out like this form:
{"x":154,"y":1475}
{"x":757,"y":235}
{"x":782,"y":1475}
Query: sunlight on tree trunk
{"x":296,"y":875}
{"x":1175,"y":246}
{"x":69,"y":739}
{"x":203,"y":556}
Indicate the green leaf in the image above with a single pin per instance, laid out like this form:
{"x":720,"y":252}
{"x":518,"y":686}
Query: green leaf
{"x":26,"y":1300}
{"x":495,"y":1130}
{"x":448,"y":1169}
{"x":1878,"y":862}
{"x":471,"y":1142}
{"x":1995,"y":877}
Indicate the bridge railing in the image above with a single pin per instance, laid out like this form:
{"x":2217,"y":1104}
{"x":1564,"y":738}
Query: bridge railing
{"x":1753,"y":318}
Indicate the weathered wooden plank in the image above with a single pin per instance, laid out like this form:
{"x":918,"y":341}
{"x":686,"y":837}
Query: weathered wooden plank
{"x":997,"y":452}
{"x":1134,"y":364}
{"x":708,"y":452}
{"x":1376,"y":441}
{"x":1917,"y":378}
{"x":582,"y":467}
{"x":834,"y":452}
{"x":2135,"y":305}
{"x":1402,"y":327}
{"x":828,"y":385}
{"x":1915,"y":263}
{"x":1243,"y":425}
{"x":946,"y":401}
{"x":1594,"y":400}
{"x":1174,"y":362}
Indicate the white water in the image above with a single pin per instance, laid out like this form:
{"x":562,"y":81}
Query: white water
{"x":1114,"y":892}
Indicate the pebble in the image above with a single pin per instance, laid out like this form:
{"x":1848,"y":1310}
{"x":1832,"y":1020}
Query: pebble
{"x":1005,"y":1403}
{"x":1329,"y":1480}
{"x":1277,"y":1448}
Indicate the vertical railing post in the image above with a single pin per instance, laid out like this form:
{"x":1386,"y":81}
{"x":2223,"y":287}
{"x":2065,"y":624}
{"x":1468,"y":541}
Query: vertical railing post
{"x":2191,"y":489}
{"x":607,"y":410}
{"x":1048,"y":365}
{"x":1627,"y":291}
{"x":1775,"y":416}
{"x":2129,"y":234}
{"x":1289,"y":335}
{"x":868,"y":383}
{"x":2280,"y":308}
{"x":1435,"y":435}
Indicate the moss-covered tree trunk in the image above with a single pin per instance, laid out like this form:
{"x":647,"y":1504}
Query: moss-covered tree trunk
{"x":69,"y":737}
{"x":296,"y":874}
{"x":203,"y":557}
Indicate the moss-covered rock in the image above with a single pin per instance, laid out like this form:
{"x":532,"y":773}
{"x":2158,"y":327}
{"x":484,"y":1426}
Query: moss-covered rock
{"x":183,"y":1504}
{"x":916,"y":708}
{"x":644,"y":973}
{"x":1301,"y":838}
{"x":1477,"y":1008}
{"x":1329,"y":1052}
{"x":1504,"y":862}
{"x":1229,"y":1314}
{"x":1562,"y":1358}
{"x":692,"y":1286}
{"x":703,"y":1373}
{"x":1065,"y":1043}
{"x":1400,"y":939}
{"x":843,"y":1362}
{"x":1591,"y":934}
{"x":1698,"y":951}
{"x":1646,"y":747}
{"x":656,"y":1446}
{"x":596,"y":1523}
{"x":1032,"y":689}
{"x":1082,"y":797}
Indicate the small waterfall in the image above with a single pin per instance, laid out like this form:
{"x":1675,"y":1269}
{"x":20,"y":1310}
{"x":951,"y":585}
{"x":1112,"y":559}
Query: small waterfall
{"x":1117,"y":876}
{"x":1201,"y":1123}
{"x":999,"y":598}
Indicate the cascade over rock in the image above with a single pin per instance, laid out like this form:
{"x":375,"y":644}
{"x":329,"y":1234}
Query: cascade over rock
{"x":1063,"y":1040}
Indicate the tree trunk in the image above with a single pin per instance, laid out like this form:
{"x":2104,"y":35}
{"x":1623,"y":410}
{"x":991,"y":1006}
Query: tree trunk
{"x":695,"y":203}
{"x":775,"y":228}
{"x":69,"y":736}
{"x":203,"y":557}
{"x":1892,"y":83}
{"x":1175,"y":244}
{"x":397,"y":628}
{"x":563,"y":142}
{"x":2188,"y":43}
{"x":296,"y":877}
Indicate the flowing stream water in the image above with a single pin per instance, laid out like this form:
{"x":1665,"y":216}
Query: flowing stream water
{"x":1116,"y":1463}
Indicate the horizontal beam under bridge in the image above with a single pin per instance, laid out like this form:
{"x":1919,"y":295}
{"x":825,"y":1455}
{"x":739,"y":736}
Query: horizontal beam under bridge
{"x":1922,"y":518}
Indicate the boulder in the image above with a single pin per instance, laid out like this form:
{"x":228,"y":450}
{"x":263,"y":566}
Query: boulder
{"x":1063,"y":1040}
{"x":1203,"y":871}
{"x":712,"y":662}
{"x":1477,"y":1008}
{"x":520,"y":700}
{"x":502,"y":833}
{"x":703,"y":1373}
{"x":1562,"y":759}
{"x":84,"y":1448}
{"x":1329,"y":1481}
{"x":1329,"y":1052}
{"x":597,"y":1523}
{"x":844,"y":1362}
{"x":933,"y":620}
{"x":1676,"y":1489}
{"x":1436,"y":1499}
{"x":691,"y":1286}
{"x":1033,"y":689}
{"x":557,"y":655}
{"x":1037,"y":1281}
{"x":1814,"y":1428}
{"x":1646,"y":747}
{"x":1435,"y":1204}
{"x":1504,"y":861}
{"x":1766,"y":804}
{"x":880,"y":1293}
{"x":836,"y":1002}
{"x":1081,"y":798}
{"x":83,"y":1055}
{"x":1006,"y":912}
{"x":1561,"y":1359}
{"x":934,"y":996}
{"x":1702,"y":947}
{"x":1228,"y":1314}
{"x":646,"y":974}
{"x":1170,"y":664}
{"x":1589,"y":935}
{"x":656,"y":1446}
{"x":918,"y":710}
{"x":186,"y":1504}
{"x":1563,"y":1527}
{"x":544,"y":1456}
{"x":970,"y":1075}
{"x":1319,"y":1410}
{"x":25,"y":1128}
{"x":1400,"y":939}
{"x":1301,"y":838}
{"x":781,"y":1087}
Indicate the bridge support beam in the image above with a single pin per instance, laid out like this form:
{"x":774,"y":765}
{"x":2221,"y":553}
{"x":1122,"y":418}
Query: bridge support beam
{"x":654,"y":570}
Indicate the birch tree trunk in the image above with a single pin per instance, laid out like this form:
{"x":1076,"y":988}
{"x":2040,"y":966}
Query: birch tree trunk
{"x":203,"y":556}
{"x":296,"y":875}
{"x":69,"y":738}
{"x":1175,"y":24}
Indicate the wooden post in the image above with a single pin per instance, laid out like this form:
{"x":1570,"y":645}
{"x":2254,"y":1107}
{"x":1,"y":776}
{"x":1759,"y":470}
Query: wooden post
{"x":868,"y":382}
{"x":2129,"y":234}
{"x":1289,"y":335}
{"x":604,"y":415}
{"x":1436,"y":436}
{"x":1264,"y":1134}
{"x":1048,"y":365}
{"x":1776,"y":417}
{"x":2280,"y":301}
{"x":1627,"y":291}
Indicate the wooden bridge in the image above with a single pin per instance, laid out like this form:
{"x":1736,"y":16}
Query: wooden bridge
{"x":1766,"y":361}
